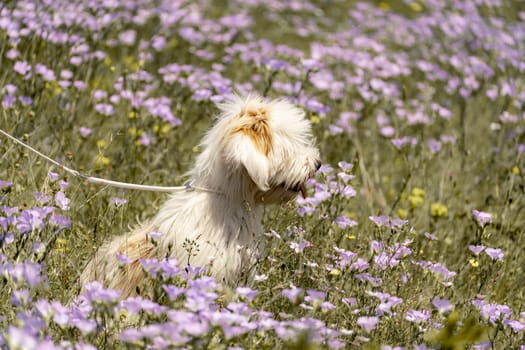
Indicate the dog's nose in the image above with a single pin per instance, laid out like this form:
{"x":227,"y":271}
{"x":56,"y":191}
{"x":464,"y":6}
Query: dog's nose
{"x":317,"y":164}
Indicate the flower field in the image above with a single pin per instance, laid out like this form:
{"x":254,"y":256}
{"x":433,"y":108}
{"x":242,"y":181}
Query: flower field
{"x":413,"y":232}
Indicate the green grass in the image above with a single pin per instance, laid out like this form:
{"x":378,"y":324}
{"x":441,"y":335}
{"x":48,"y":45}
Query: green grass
{"x":481,"y":171}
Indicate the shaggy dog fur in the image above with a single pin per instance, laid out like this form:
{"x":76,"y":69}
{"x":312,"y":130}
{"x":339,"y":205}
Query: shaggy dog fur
{"x":258,"y":152}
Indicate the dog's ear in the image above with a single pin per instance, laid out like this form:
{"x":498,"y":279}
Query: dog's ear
{"x":252,"y":140}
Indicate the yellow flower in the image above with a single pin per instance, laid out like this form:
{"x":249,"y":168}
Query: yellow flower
{"x":419,"y":192}
{"x":473,"y":262}
{"x":384,"y":6}
{"x":60,"y":241}
{"x":335,"y":272}
{"x":416,"y":7}
{"x":416,"y":197}
{"x":54,"y":87}
{"x":123,"y":314}
{"x":438,"y":210}
{"x":516,"y":170}
{"x":132,"y":115}
{"x":130,"y":62}
{"x":196,"y":149}
{"x":415,"y":201}
{"x":315,"y":119}
{"x":102,"y":161}
{"x":102,"y":144}
{"x":350,"y":237}
{"x":402,"y":213}
{"x":60,"y":245}
{"x":133,"y":131}
{"x":165,"y":129}
{"x":392,"y":192}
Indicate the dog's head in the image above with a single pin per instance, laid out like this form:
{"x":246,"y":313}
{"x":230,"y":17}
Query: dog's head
{"x":271,"y":142}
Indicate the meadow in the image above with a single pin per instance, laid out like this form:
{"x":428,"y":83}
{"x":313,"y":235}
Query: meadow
{"x":412,"y":234}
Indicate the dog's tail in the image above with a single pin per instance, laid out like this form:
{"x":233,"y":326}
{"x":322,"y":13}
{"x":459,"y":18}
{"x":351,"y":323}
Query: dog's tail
{"x":117,"y":263}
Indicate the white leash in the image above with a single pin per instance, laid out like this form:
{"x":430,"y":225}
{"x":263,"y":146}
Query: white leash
{"x":96,"y":180}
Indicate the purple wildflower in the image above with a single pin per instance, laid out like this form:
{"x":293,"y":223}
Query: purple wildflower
{"x":344,"y":222}
{"x":22,"y":67}
{"x":368,"y":323}
{"x":417,"y":316}
{"x":60,"y":221}
{"x":402,"y":141}
{"x":146,"y":140}
{"x":493,"y":312}
{"x":481,"y":217}
{"x":387,"y":302}
{"x":52,"y":176}
{"x":173,"y":292}
{"x":137,"y":304}
{"x":246,"y":293}
{"x":123,"y":258}
{"x":442,"y":305}
{"x":10,"y":89}
{"x":345,"y":257}
{"x":374,"y":281}
{"x":8,"y":101}
{"x":292,"y":294}
{"x":11,"y":54}
{"x":117,"y":202}
{"x":28,"y":272}
{"x":360,"y":265}
{"x":386,"y":221}
{"x":42,"y":198}
{"x":349,"y":301}
{"x":105,"y":109}
{"x":345,"y":177}
{"x":434,"y":145}
{"x":128,"y":37}
{"x":25,"y":100}
{"x":476,"y":249}
{"x":495,"y":253}
{"x":201,"y":95}
{"x":298,"y":247}
{"x":314,"y":295}
{"x":345,"y":165}
{"x":30,"y":220}
{"x":85,"y":132}
{"x":387,"y":131}
{"x":516,"y":326}
{"x":95,"y":292}
{"x":99,"y":94}
{"x":62,"y":201}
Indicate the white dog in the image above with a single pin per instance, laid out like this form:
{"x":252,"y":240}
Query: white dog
{"x":258,"y":152}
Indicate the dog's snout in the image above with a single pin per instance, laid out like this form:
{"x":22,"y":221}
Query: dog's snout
{"x":317,"y":164}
